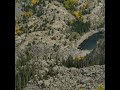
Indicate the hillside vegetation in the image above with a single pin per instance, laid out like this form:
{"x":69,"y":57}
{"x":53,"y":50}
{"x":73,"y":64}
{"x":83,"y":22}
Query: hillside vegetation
{"x":46,"y":36}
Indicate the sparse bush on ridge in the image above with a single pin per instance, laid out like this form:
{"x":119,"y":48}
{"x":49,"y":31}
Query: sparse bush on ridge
{"x":77,"y":62}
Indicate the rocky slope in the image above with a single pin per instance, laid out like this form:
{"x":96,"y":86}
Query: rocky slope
{"x":97,"y":56}
{"x":87,"y":78}
{"x":45,"y":40}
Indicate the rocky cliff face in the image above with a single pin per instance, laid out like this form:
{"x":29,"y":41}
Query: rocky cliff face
{"x":47,"y":37}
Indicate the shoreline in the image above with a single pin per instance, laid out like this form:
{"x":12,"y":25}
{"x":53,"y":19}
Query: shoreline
{"x":87,"y":35}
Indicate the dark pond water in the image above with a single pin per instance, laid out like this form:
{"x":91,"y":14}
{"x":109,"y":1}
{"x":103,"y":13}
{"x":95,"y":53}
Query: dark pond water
{"x":91,"y":42}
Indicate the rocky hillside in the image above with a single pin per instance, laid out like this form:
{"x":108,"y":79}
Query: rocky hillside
{"x":87,"y":78}
{"x":47,"y":33}
{"x":97,"y":56}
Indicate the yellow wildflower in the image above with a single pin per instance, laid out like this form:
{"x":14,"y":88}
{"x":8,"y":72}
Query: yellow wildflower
{"x":77,"y":14}
{"x":17,"y":30}
{"x":35,"y":1}
{"x":29,"y":13}
{"x":79,"y":58}
{"x":100,"y":87}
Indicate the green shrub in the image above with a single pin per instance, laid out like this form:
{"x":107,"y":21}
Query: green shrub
{"x":73,"y":36}
{"x":69,"y":62}
{"x":81,"y":27}
{"x":71,"y":22}
{"x":84,"y":12}
{"x":77,"y":62}
{"x":70,"y":4}
{"x":39,"y":13}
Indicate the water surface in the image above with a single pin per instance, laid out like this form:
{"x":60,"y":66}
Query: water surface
{"x":91,"y":42}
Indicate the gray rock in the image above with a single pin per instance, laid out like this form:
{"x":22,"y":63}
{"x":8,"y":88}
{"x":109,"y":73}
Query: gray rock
{"x":46,"y":83}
